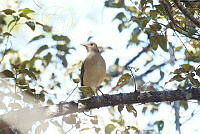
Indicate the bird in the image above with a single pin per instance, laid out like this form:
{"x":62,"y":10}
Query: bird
{"x":93,"y":69}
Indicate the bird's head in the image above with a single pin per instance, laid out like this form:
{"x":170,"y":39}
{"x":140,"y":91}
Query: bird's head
{"x":91,"y":47}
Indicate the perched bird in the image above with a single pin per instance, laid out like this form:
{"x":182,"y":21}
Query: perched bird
{"x":93,"y":69}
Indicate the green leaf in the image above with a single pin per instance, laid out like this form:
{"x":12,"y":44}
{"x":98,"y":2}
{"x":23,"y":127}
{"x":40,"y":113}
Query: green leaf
{"x":160,"y":125}
{"x":37,"y":38}
{"x":6,"y":74}
{"x":31,"y":25}
{"x":158,"y":40}
{"x":63,"y":59}
{"x":6,"y":34}
{"x":155,"y":27}
{"x":123,"y":80}
{"x":109,"y":128}
{"x":47,"y":59}
{"x":86,"y":90}
{"x":130,"y":108}
{"x":27,"y":72}
{"x":119,"y":16}
{"x":8,"y":11}
{"x":178,"y":48}
{"x":26,"y":11}
{"x":177,"y":77}
{"x":61,"y":38}
{"x":179,"y":71}
{"x":95,"y":121}
{"x":71,"y":119}
{"x":184,"y":104}
{"x":120,"y":107}
{"x":21,"y":81}
{"x":50,"y":102}
{"x":153,"y":42}
{"x":46,"y":28}
{"x":132,"y":9}
{"x":162,"y":41}
{"x":77,"y":80}
{"x":42,"y":48}
{"x":187,"y":67}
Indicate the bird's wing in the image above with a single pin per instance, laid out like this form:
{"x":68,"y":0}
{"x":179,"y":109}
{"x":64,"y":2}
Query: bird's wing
{"x":82,"y":73}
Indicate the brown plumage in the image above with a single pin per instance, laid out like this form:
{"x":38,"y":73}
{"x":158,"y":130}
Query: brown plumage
{"x":93,"y":69}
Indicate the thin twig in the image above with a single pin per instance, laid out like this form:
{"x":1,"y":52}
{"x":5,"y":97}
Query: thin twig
{"x":130,"y":68}
{"x":71,"y":92}
{"x":134,"y":58}
{"x":89,"y":115}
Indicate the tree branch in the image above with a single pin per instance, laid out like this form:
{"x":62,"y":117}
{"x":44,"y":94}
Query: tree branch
{"x":138,"y":55}
{"x":186,"y":13}
{"x":21,"y":118}
{"x":173,"y":25}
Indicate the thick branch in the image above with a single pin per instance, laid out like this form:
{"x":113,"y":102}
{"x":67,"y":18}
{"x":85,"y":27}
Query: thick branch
{"x":28,"y":116}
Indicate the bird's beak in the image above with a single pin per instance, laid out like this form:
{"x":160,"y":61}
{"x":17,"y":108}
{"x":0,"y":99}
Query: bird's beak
{"x":85,"y":44}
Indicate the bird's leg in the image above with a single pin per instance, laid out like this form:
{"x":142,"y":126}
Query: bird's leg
{"x":98,"y":89}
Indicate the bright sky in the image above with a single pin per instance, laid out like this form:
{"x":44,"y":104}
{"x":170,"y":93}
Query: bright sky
{"x":80,"y":19}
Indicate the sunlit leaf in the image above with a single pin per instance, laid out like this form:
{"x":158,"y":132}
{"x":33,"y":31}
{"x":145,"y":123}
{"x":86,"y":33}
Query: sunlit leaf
{"x":187,"y":67}
{"x":26,"y":11}
{"x":109,"y":128}
{"x":95,"y":121}
{"x":86,"y":90}
{"x":123,"y":80}
{"x":71,"y":119}
{"x":77,"y":80}
{"x":178,"y":48}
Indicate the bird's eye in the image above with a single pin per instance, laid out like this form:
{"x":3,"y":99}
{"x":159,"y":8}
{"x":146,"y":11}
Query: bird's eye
{"x":92,"y":44}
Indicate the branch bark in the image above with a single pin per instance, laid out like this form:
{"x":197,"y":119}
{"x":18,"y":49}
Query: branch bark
{"x":21,"y":118}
